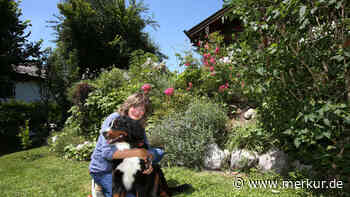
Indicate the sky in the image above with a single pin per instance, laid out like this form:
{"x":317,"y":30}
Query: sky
{"x":173,"y":16}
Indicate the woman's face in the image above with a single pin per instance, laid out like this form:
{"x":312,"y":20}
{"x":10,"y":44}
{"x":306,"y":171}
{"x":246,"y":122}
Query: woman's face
{"x":136,"y":112}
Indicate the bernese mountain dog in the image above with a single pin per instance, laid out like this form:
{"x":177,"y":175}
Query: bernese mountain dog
{"x":126,"y":133}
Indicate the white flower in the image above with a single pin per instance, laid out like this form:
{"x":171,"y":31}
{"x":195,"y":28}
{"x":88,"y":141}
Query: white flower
{"x":80,"y":146}
{"x":226,"y":60}
{"x":54,"y":138}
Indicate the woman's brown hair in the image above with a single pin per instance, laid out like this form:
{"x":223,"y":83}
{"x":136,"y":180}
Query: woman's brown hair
{"x":136,"y":100}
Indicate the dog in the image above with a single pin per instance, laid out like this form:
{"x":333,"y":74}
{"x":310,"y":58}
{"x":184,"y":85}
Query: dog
{"x":127,"y":175}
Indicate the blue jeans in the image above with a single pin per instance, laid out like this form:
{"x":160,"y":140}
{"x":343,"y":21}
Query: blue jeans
{"x":105,"y":179}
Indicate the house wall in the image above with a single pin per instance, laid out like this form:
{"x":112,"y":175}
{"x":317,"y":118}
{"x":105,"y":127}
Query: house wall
{"x":27,"y":91}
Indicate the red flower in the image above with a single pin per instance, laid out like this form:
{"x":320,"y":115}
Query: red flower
{"x":211,"y":68}
{"x":222,"y":88}
{"x":199,"y":43}
{"x":169,"y":91}
{"x":217,"y":50}
{"x":206,"y":55}
{"x":190,"y":84}
{"x":146,"y":88}
{"x":212,"y":60}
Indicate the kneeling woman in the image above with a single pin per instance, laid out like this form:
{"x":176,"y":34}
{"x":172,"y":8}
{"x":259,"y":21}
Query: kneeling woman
{"x":136,"y":107}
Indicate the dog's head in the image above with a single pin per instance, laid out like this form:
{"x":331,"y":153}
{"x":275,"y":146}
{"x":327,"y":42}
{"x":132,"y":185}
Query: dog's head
{"x":125,"y":129}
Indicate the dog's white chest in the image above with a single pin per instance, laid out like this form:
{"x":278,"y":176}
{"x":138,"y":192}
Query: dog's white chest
{"x":129,"y":166}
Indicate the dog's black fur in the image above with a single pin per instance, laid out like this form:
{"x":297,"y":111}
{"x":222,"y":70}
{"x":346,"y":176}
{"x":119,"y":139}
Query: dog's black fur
{"x":143,"y":185}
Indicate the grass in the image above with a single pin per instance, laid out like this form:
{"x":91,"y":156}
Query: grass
{"x":37,"y":173}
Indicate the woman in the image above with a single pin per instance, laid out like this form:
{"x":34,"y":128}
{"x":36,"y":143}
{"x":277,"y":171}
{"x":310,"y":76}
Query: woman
{"x":136,"y":107}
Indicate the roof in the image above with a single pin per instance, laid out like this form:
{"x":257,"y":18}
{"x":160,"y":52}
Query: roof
{"x":32,"y":71}
{"x":214,"y":17}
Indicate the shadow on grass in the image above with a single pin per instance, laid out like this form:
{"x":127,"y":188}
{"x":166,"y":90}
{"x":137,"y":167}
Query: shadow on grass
{"x":174,"y":183}
{"x":9,"y":145}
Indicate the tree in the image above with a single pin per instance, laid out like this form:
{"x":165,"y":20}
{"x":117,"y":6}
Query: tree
{"x":103,"y":32}
{"x":14,"y":46}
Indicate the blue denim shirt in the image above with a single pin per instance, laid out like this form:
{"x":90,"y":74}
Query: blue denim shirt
{"x":103,"y":153}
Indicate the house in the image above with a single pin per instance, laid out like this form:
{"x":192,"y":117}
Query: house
{"x":216,"y":22}
{"x":25,"y":84}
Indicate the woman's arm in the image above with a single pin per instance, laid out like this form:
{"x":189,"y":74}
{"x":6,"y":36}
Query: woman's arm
{"x":136,"y":152}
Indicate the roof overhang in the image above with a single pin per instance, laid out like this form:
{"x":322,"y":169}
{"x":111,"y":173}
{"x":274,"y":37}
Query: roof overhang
{"x":194,"y":31}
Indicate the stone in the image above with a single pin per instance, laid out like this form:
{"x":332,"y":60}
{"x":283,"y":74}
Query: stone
{"x":249,"y":114}
{"x":297,"y":165}
{"x":274,"y":160}
{"x":243,"y":159}
{"x":214,"y":158}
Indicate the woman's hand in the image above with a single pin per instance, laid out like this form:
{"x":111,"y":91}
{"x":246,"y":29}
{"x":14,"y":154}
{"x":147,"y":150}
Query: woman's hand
{"x":145,"y":155}
{"x":149,"y":170}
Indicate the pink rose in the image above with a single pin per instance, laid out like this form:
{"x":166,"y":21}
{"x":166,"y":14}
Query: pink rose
{"x":222,"y":88}
{"x":190,"y":84}
{"x":146,"y":88}
{"x":199,"y":43}
{"x":187,"y":64}
{"x":212,"y":60}
{"x":206,"y":46}
{"x":206,"y":63}
{"x":206,"y":55}
{"x":217,"y":50}
{"x":211,"y":68}
{"x":169,"y":91}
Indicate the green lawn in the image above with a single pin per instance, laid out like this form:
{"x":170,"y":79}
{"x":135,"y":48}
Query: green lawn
{"x":37,"y":172}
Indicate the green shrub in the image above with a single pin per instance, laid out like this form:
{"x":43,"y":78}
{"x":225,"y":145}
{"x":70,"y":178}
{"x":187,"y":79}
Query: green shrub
{"x":110,"y":80}
{"x":13,"y":115}
{"x":299,"y":74}
{"x":251,"y":137}
{"x":26,"y":142}
{"x":81,"y":152}
{"x":186,"y":135}
{"x":58,"y":141}
{"x":113,"y":86}
{"x":101,"y":97}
